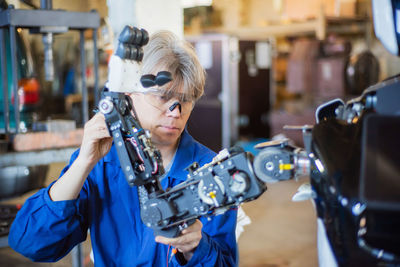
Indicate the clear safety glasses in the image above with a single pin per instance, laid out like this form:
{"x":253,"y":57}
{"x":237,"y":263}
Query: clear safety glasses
{"x":165,"y":100}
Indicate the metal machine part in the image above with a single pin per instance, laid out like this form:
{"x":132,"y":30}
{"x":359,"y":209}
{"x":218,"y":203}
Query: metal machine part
{"x":278,"y":161}
{"x":209,"y":190}
{"x":352,"y":150}
{"x":227,"y":181}
{"x":352,"y":159}
{"x":140,"y":160}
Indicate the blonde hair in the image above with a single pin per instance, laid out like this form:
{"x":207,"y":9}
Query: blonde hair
{"x":167,"y":52}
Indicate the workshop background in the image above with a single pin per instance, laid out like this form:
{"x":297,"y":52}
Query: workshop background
{"x":269,"y":63}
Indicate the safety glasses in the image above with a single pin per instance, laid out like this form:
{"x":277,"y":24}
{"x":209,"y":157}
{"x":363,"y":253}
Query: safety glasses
{"x":165,"y":100}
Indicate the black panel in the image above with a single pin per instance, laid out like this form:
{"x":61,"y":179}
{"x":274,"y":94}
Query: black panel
{"x":380,"y":179}
{"x":253,"y":95}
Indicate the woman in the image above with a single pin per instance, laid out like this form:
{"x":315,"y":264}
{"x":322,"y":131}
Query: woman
{"x":92,"y":192}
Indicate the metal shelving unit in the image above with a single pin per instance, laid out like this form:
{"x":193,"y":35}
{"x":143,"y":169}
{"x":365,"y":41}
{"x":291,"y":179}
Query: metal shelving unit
{"x":45,"y":21}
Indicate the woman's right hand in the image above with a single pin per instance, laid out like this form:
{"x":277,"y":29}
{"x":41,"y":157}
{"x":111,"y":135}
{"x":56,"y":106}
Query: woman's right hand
{"x":96,"y":142}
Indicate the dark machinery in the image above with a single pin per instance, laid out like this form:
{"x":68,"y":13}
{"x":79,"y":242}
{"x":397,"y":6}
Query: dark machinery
{"x":352,"y":158}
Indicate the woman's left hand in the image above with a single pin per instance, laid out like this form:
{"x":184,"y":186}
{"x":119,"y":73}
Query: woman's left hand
{"x":187,"y":242}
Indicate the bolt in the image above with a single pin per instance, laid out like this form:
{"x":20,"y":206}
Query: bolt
{"x":269,"y":165}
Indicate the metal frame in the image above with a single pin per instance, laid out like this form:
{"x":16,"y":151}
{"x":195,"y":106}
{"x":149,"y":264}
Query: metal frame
{"x":45,"y":21}
{"x":3,"y":66}
{"x":230,"y":90}
{"x":25,"y":18}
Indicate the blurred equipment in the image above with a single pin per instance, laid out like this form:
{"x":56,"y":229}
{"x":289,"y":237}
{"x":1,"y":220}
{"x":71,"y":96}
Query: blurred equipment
{"x":7,"y":216}
{"x":25,"y":171}
{"x":44,"y":21}
{"x":327,"y":70}
{"x":302,"y":67}
{"x":331,"y":65}
{"x":48,"y":42}
{"x":28,"y":86}
{"x":362,"y":71}
{"x":17,"y":180}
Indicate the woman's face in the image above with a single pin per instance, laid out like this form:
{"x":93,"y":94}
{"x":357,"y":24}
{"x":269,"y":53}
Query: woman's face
{"x":155,"y":114}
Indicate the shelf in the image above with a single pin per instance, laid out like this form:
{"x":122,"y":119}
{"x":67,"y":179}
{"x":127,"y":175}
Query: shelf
{"x":33,"y":158}
{"x":319,"y":27}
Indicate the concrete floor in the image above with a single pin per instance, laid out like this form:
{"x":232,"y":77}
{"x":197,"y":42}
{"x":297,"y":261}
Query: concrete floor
{"x":282,"y":232}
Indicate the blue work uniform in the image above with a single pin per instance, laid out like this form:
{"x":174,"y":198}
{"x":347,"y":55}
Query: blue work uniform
{"x":46,"y":230}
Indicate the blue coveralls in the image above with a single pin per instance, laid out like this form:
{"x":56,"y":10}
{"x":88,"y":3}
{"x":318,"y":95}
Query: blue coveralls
{"x":46,"y":230}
